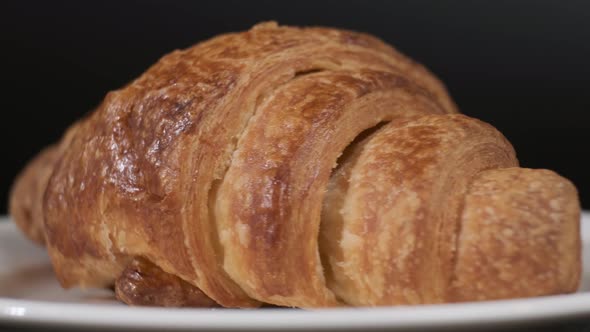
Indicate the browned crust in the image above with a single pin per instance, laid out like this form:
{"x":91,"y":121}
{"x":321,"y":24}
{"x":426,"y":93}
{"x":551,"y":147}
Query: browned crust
{"x":214,"y":163}
{"x":520,"y":236}
{"x":267,"y":211}
{"x":28,"y":191}
{"x":136,"y":178}
{"x":26,"y":197}
{"x":400,"y":209}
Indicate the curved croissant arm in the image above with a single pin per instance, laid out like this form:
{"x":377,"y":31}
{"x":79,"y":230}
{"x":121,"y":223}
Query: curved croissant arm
{"x":436,"y":210}
{"x":299,"y":167}
{"x":26,"y":196}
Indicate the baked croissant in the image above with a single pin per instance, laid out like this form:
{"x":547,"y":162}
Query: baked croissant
{"x":300,"y":167}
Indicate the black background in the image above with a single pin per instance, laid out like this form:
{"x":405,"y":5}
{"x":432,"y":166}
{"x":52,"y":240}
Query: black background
{"x":519,"y":65}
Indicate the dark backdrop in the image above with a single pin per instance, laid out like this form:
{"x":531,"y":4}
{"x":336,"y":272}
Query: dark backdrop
{"x":520,"y":65}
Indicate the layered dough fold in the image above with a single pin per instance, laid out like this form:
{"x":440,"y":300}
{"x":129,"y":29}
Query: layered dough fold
{"x":302,"y":167}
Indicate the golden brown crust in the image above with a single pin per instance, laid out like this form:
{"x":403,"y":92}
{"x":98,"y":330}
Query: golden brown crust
{"x":518,"y":238}
{"x":266,"y":210}
{"x":214,"y":165}
{"x":28,"y":191}
{"x":26,"y":197}
{"x":398,"y":216}
{"x":136,"y":178}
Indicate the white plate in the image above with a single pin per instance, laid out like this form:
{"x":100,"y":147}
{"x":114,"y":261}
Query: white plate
{"x":30,"y":295}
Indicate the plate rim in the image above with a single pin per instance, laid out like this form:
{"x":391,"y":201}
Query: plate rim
{"x":499,"y":312}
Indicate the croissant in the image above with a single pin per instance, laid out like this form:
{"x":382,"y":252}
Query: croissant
{"x":300,"y":167}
